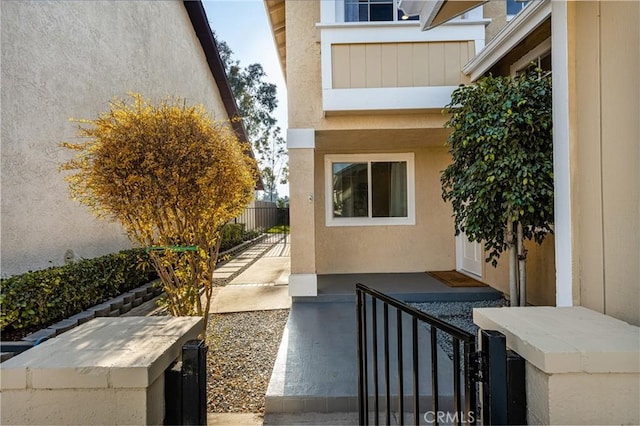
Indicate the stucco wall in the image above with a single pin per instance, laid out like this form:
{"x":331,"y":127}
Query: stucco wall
{"x":604,"y":102}
{"x":426,"y":246}
{"x":303,"y":251}
{"x":541,"y":280}
{"x":497,"y":12}
{"x":67,"y":59}
{"x":304,"y":87}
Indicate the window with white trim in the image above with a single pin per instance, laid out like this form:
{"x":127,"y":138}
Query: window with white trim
{"x":369,"y":189}
{"x":374,"y":10}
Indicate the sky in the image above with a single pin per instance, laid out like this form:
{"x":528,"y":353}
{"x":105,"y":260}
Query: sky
{"x":244,"y":25}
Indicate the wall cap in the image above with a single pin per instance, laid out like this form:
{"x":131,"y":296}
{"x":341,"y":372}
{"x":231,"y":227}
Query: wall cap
{"x":102,"y":353}
{"x":566,"y":339}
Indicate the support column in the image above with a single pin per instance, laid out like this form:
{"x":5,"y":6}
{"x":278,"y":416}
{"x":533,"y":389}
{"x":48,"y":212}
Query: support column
{"x":561,"y":156}
{"x":303,"y":280}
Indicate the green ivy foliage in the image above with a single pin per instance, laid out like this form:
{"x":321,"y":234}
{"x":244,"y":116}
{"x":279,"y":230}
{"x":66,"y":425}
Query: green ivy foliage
{"x":43,"y":297}
{"x":502,"y":148}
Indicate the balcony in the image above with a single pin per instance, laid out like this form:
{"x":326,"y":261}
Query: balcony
{"x":393,"y":66}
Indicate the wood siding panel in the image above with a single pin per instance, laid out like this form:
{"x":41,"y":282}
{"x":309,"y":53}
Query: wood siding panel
{"x":374,"y":65}
{"x":464,"y":54}
{"x":404,"y":65}
{"x":436,"y":64}
{"x":341,"y":63}
{"x":420,"y":64}
{"x":420,"y":55}
{"x":389,"y":60}
{"x":452,"y":64}
{"x":357,"y":62}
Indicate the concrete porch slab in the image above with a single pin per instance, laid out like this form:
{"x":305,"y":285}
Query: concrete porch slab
{"x":316,"y":366}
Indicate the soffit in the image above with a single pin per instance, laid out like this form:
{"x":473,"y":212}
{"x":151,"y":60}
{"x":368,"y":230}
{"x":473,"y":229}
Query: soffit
{"x":277,"y":18}
{"x":537,"y":36}
{"x":448,"y":10}
{"x":436,"y":12}
{"x":387,"y":140}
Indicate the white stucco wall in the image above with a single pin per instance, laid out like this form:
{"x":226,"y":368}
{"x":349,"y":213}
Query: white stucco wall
{"x":67,"y":59}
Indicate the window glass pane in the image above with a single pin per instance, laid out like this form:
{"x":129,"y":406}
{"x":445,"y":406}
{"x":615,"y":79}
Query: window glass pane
{"x":350,"y":190}
{"x":363,"y":14}
{"x":381,"y":12}
{"x":515,"y":6}
{"x":368,"y":10}
{"x":389,"y":189}
{"x":545,"y":62}
{"x":351,"y":11}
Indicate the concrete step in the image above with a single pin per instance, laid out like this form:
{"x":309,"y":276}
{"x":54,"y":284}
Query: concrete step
{"x":471,"y":295}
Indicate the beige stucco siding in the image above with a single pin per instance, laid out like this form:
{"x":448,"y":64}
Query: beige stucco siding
{"x":372,"y":65}
{"x":429,"y":245}
{"x":302,"y":221}
{"x":605,"y":106}
{"x":541,"y":278}
{"x":67,"y":59}
{"x":304,"y":82}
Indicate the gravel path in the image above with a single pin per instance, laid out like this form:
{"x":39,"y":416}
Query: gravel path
{"x":242,"y":351}
{"x":459,"y":314}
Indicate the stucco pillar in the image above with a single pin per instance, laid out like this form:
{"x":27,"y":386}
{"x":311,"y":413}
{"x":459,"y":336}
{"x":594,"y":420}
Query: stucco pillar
{"x":582,"y":367}
{"x":303,"y":280}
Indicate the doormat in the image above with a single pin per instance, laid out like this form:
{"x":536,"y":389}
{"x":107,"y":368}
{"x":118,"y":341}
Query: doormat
{"x":456,"y":279}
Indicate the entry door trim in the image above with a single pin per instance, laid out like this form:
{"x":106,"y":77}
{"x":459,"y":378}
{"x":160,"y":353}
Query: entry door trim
{"x":474,"y":271}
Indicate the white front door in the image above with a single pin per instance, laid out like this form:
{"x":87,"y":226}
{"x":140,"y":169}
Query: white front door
{"x":468,"y":256}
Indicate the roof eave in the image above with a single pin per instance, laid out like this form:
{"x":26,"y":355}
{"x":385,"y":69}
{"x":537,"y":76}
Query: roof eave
{"x":508,"y":37}
{"x":277,"y":22}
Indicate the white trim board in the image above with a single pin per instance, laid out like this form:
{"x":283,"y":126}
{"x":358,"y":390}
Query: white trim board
{"x":303,"y":285}
{"x":301,"y":138}
{"x":386,"y":98}
{"x":562,"y":156}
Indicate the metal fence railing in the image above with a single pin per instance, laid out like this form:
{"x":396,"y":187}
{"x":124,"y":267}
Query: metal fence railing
{"x":385,"y":323}
{"x":391,"y":381}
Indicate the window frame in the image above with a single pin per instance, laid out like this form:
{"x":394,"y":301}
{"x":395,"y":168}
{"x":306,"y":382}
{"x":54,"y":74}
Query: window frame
{"x":331,"y":221}
{"x":396,"y":12}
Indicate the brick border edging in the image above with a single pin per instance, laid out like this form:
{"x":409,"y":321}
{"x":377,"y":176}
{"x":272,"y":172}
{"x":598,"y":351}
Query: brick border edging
{"x":112,"y":308}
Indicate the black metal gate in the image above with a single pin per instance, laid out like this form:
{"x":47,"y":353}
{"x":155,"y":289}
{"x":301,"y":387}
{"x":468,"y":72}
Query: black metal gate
{"x":434,"y":389}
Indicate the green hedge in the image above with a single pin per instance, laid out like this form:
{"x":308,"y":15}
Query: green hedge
{"x":234,"y":234}
{"x":44,"y":297}
{"x":41,"y":298}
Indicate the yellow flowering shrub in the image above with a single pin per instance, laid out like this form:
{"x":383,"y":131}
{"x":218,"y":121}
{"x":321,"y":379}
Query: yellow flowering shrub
{"x":173,"y":177}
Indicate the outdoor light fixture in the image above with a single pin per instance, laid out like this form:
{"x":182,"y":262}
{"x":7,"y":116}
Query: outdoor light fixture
{"x":411,"y":7}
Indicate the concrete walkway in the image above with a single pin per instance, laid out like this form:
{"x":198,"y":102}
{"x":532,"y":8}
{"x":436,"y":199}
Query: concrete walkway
{"x":261,"y":286}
